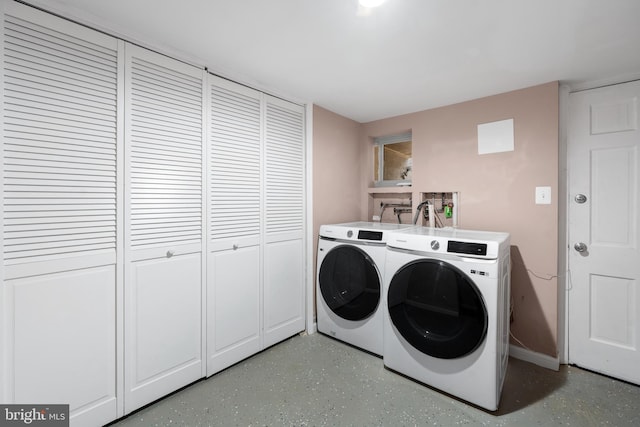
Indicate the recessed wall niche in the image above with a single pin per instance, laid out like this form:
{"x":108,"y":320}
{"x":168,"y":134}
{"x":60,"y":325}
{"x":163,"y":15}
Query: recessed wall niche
{"x":431,"y":209}
{"x":438,"y":209}
{"x":391,"y":208}
{"x":392,"y":160}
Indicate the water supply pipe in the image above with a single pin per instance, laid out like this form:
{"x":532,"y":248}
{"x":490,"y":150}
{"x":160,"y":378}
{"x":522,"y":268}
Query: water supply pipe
{"x":418,"y":209}
{"x":384,"y":206}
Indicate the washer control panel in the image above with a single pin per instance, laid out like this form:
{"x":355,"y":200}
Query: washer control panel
{"x":374,"y":233}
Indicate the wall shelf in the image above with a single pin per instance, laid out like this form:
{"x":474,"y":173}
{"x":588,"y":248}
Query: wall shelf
{"x":390,"y":190}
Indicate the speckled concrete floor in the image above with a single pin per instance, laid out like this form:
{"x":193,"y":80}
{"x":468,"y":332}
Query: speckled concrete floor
{"x":317,"y":381}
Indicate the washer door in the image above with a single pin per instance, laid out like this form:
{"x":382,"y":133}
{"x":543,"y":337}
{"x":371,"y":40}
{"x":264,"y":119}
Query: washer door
{"x":349,"y":283}
{"x":437,"y":309}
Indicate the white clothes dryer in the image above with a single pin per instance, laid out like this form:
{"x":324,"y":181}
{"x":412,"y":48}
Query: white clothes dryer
{"x":446,"y":318}
{"x":350,"y":267}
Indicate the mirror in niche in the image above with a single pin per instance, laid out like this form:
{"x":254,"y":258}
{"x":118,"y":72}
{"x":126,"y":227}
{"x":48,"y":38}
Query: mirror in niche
{"x":392,"y":162}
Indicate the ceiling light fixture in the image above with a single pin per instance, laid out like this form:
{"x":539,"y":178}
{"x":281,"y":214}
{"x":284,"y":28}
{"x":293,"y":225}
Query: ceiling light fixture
{"x":370,"y":3}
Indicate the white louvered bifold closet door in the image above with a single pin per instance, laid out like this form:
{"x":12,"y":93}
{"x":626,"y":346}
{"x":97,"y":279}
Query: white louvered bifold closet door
{"x":284,"y":221}
{"x":59,"y":218}
{"x":165,"y":215}
{"x":235,"y":209}
{"x":235,"y":164}
{"x":284,"y":141}
{"x":59,"y":148}
{"x":165,"y":146}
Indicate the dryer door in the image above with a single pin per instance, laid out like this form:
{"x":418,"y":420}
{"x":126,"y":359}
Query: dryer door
{"x":437,"y":308}
{"x":349,"y":282}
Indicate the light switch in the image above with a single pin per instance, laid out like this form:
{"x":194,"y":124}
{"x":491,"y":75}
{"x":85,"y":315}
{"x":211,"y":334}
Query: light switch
{"x":543,"y":195}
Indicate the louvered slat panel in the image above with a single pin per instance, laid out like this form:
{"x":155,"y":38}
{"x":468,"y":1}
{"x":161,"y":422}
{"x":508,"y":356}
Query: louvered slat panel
{"x":59,"y":147}
{"x":284,"y":167}
{"x":235,"y":134}
{"x":165,"y":152}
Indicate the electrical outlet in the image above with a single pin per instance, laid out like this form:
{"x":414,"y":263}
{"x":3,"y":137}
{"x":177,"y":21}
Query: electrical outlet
{"x":543,"y":195}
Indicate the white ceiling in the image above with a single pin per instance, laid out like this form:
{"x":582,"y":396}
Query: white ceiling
{"x":405,"y":56}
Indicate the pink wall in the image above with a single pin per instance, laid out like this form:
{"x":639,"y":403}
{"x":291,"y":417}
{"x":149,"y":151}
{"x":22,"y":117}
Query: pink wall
{"x":496,"y":190}
{"x":336,"y":170}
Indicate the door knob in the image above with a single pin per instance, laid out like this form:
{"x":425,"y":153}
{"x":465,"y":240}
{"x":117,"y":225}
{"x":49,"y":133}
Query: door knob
{"x":580,"y":247}
{"x":580,"y":198}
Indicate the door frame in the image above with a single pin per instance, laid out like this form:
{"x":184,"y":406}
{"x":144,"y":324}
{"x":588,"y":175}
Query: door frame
{"x":564,"y":277}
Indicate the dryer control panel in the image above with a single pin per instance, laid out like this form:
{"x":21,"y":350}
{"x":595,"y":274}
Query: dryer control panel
{"x":467,"y":248}
{"x":456,"y":242}
{"x":370,"y":235}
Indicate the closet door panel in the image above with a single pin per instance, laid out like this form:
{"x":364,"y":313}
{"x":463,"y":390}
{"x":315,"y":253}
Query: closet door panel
{"x":59,"y":144}
{"x":235,"y":224}
{"x":59,"y":214}
{"x":284,"y":169}
{"x":283,"y":290}
{"x":164,"y":225}
{"x":235,"y":162}
{"x":64,"y":341}
{"x":164,"y":325}
{"x":284,"y":221}
{"x":233,"y":307}
{"x":164,"y":135}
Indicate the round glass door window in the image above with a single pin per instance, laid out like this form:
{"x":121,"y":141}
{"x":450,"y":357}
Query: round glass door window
{"x":437,"y":309}
{"x":349,"y":283}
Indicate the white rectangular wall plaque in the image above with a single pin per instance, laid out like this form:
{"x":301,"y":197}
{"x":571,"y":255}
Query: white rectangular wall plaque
{"x":495,"y":137}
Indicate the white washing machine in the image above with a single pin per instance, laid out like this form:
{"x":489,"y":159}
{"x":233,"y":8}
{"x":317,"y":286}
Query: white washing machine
{"x":446,"y":318}
{"x":350,"y":269}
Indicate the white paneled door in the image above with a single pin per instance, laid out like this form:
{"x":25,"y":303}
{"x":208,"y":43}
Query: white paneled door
{"x":233,"y":308}
{"x":604,"y":230}
{"x":59,"y":294}
{"x":164,"y":211}
{"x":255,"y":275}
{"x":284,"y":220}
{"x":163,"y":327}
{"x":234,"y":284}
{"x":65,"y":343}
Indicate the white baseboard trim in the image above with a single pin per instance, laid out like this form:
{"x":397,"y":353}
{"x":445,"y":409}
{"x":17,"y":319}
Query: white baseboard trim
{"x":539,"y":359}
